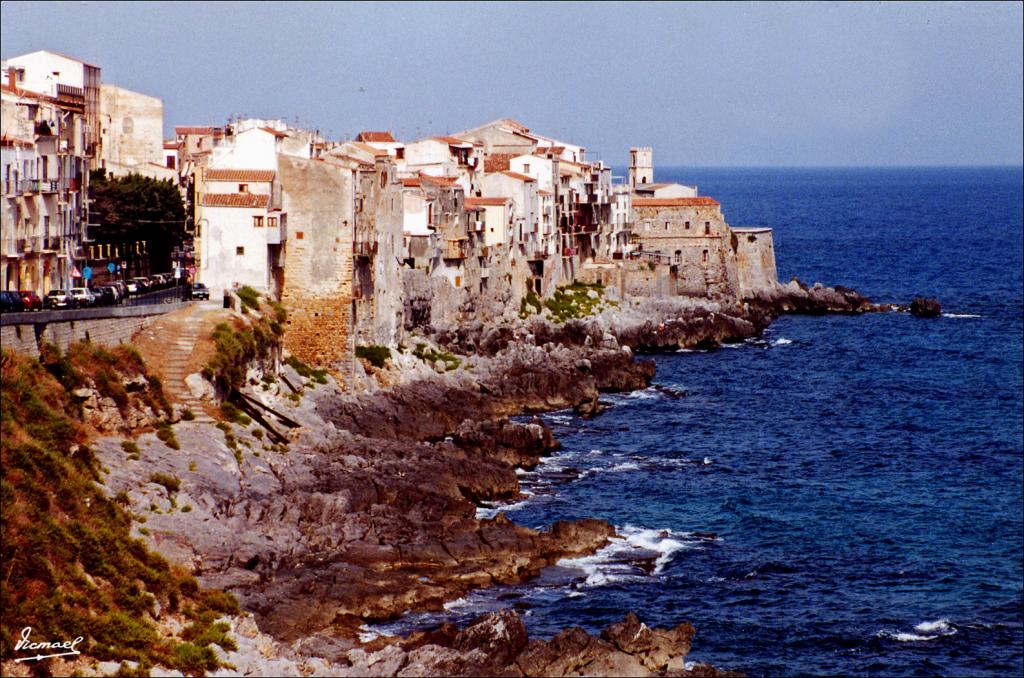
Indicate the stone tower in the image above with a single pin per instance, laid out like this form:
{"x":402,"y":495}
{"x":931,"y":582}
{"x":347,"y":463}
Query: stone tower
{"x":641,"y":166}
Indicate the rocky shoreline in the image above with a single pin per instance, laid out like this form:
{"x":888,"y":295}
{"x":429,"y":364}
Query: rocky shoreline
{"x":370,"y":511}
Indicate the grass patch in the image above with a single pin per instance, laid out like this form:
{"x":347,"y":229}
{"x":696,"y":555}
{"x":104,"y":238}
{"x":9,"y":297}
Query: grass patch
{"x":165,"y":433}
{"x":231,"y":413}
{"x":425,"y":353}
{"x":530,"y":301}
{"x":130,"y":447}
{"x":169,"y":482}
{"x":304,"y":370}
{"x":71,"y":566}
{"x":577,"y":300}
{"x":375,"y":355}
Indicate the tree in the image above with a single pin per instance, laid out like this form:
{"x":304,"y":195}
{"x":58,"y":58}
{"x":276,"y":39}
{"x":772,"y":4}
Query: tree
{"x":143,"y":218}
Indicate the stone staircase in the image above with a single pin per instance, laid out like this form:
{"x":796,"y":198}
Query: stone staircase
{"x":180,"y":347}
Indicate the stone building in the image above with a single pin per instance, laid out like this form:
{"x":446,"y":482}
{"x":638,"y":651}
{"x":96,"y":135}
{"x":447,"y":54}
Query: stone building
{"x":131,"y":131}
{"x":318,"y":260}
{"x":689,"y":234}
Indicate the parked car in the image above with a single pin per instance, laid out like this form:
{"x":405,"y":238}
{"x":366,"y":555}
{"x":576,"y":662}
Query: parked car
{"x":122,"y":290}
{"x":10,"y":302}
{"x":30,"y":300}
{"x":105,"y":295}
{"x":83,"y":296}
{"x":59,"y":299}
{"x":132,"y":287}
{"x":198,"y":291}
{"x":143,"y":285}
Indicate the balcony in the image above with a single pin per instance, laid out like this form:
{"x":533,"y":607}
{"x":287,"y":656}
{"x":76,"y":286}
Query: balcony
{"x":69,"y":92}
{"x":454,"y":249}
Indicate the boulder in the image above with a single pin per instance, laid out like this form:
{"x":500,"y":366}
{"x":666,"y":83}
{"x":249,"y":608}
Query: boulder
{"x":925,"y":308}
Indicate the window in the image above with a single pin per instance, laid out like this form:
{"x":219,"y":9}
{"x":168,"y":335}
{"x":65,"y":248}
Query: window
{"x":272,"y":222}
{"x":458,"y":281}
{"x":707,"y":228}
{"x":704,"y":256}
{"x":298,"y":235}
{"x":243,"y":188}
{"x":526,"y":167}
{"x":171,"y":161}
{"x":400,"y":153}
{"x":666,"y":225}
{"x":687,"y":225}
{"x":239,"y":251}
{"x":257,"y":221}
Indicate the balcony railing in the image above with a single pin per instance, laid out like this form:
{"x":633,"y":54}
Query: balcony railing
{"x":69,"y":92}
{"x":455,"y":249}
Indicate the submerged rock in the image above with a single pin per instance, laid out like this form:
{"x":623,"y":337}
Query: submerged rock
{"x":925,"y":308}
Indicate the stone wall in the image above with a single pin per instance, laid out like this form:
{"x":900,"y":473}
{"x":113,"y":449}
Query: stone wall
{"x":317,"y":289}
{"x":755,"y":260}
{"x":25,"y":337}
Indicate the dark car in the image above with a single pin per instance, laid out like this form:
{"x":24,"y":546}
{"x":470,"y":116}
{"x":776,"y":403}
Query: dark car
{"x":105,"y":296}
{"x":30,"y":300}
{"x":59,"y":299}
{"x":198,"y":291}
{"x":10,"y":302}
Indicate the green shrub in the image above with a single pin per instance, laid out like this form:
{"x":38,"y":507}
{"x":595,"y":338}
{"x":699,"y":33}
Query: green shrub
{"x":373,"y":354}
{"x":425,"y":353}
{"x":187,"y":415}
{"x":531,"y":300}
{"x":130,"y":447}
{"x":231,"y":413}
{"x":165,"y":433}
{"x":193,"y":660}
{"x":250,"y":298}
{"x":169,"y":482}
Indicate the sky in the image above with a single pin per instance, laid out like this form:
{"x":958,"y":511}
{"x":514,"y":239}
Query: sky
{"x":705,"y":84}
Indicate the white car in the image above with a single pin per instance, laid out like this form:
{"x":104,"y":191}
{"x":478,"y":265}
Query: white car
{"x":82,"y":296}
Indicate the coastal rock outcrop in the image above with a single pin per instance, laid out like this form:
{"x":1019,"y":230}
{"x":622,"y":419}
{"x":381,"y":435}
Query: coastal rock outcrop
{"x":497,"y":644}
{"x":925,"y":308}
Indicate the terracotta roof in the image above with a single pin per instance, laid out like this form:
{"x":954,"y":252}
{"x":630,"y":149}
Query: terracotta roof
{"x":440,"y":181}
{"x":235,"y":200}
{"x":276,"y":133}
{"x":410,"y":182}
{"x":518,"y":176}
{"x":544,"y":150}
{"x":170,"y":144}
{"x":379,"y":137}
{"x":702,"y":201}
{"x":485,"y":201}
{"x":239,"y":175}
{"x":454,"y":141}
{"x":497,"y":162}
{"x":369,"y":149}
{"x":541,"y":191}
{"x":193,"y":130}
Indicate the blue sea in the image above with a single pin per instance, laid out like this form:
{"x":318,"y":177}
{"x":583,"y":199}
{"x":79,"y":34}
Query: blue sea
{"x":842,"y":495}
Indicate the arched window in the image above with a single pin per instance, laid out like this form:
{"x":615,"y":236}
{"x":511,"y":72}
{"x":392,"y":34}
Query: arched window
{"x":704,"y":256}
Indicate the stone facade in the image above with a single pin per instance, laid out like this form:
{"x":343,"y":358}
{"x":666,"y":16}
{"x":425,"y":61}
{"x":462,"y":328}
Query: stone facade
{"x":755,"y":259}
{"x":317,"y":284}
{"x":691,"y":236}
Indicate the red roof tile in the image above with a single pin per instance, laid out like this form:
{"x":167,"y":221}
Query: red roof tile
{"x":518,"y":176}
{"x":454,"y":141}
{"x":485,"y":201}
{"x":497,"y":162}
{"x":366,"y":148}
{"x":702,"y":201}
{"x":235,"y":200}
{"x":239,"y":175}
{"x":170,"y":144}
{"x":379,"y":137}
{"x":193,"y":130}
{"x":440,"y":181}
{"x":276,"y":133}
{"x":411,"y":182}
